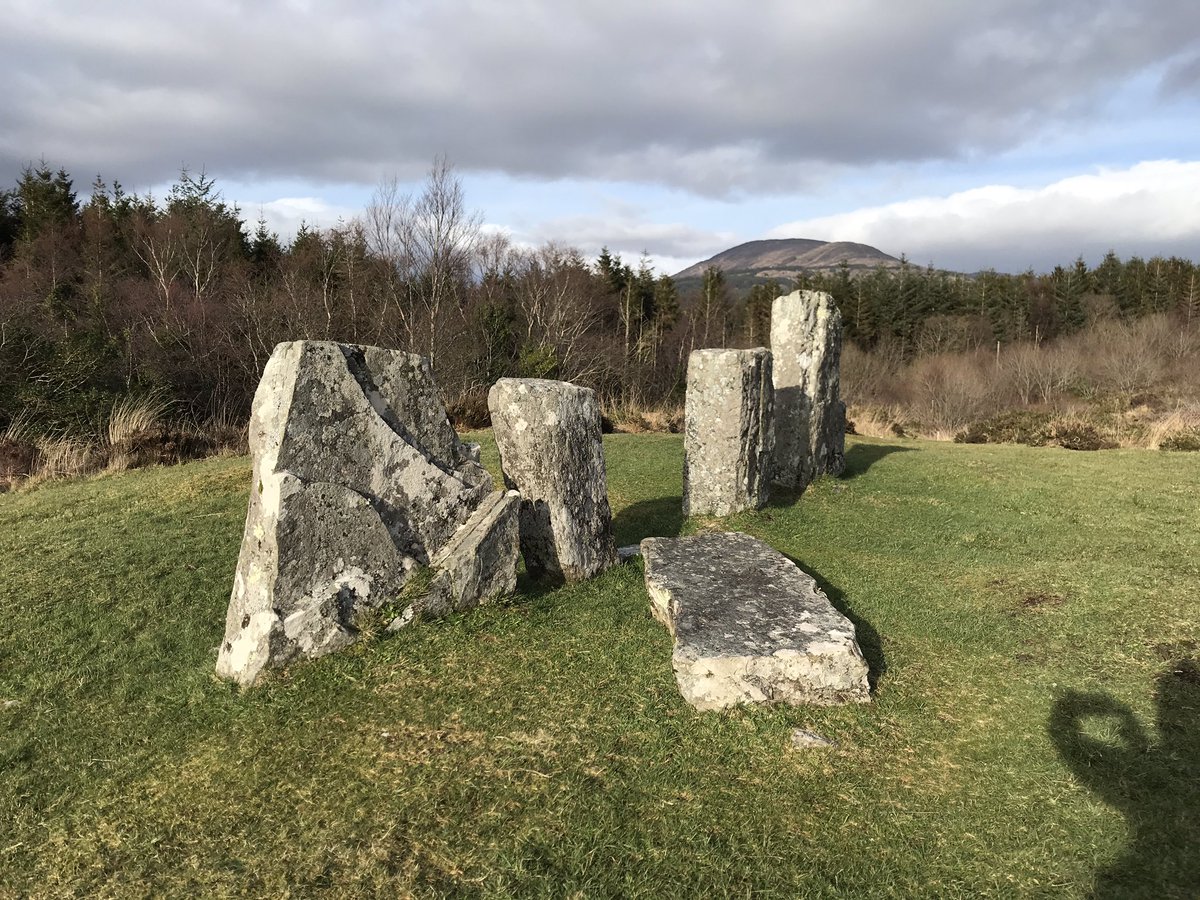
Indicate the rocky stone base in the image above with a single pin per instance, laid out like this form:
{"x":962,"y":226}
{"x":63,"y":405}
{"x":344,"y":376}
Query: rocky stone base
{"x":749,"y":625}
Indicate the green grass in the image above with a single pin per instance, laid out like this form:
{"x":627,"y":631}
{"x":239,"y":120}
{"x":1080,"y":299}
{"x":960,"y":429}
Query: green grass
{"x":1029,"y":615}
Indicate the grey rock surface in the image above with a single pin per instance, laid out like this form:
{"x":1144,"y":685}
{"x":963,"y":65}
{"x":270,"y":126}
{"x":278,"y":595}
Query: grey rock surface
{"x":478,"y":565}
{"x":810,"y":418}
{"x":548,"y":434}
{"x":358,"y":479}
{"x":802,"y":739}
{"x":628,"y":552}
{"x":749,"y":625}
{"x":728,"y":443}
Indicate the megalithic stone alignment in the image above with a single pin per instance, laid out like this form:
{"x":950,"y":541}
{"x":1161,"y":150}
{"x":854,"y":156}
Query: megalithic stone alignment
{"x":810,"y":418}
{"x":359,"y":479}
{"x":727,"y":445}
{"x":548,"y":434}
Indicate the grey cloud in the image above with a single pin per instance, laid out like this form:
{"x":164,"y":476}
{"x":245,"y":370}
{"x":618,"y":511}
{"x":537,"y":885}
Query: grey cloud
{"x":719,"y":99}
{"x":627,"y":233}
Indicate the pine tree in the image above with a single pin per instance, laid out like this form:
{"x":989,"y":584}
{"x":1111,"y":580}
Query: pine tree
{"x":759,"y":301}
{"x":1069,"y":288}
{"x":45,"y":200}
{"x":714,"y":306}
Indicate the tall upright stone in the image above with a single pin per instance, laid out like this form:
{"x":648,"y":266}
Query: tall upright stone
{"x":810,"y":418}
{"x":727,"y":441}
{"x":358,"y":480}
{"x":548,"y":434}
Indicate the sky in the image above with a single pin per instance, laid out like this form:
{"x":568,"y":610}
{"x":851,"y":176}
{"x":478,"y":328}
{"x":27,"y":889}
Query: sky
{"x":1006,"y":134}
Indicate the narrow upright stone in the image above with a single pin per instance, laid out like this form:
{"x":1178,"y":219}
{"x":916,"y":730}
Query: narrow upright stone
{"x":810,"y":418}
{"x":358,"y":480}
{"x":728,"y":437}
{"x":548,"y":434}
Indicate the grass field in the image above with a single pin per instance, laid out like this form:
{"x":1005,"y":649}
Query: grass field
{"x":1030,"y":615}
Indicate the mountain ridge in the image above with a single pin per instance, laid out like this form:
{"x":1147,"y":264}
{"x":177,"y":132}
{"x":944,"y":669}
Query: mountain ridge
{"x":782,"y":257}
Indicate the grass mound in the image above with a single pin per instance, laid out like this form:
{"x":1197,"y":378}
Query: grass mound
{"x":1030,"y":618}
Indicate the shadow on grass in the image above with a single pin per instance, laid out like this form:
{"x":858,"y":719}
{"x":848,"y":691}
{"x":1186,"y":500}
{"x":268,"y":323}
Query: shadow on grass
{"x":1155,"y":785}
{"x":868,"y":638}
{"x":661,"y":517}
{"x":861,"y":457}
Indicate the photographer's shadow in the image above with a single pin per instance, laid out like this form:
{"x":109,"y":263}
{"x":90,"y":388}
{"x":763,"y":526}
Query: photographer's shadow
{"x":1156,"y":785}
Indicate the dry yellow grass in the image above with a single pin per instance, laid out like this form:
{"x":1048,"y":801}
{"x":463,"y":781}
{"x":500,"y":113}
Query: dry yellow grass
{"x":132,"y":415}
{"x":64,"y":457}
{"x":1178,"y":421}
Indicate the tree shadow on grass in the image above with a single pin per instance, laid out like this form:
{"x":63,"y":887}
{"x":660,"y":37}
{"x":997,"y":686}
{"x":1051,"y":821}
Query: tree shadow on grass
{"x":868,"y":638}
{"x":661,"y":517}
{"x":861,"y":457}
{"x":1155,"y":785}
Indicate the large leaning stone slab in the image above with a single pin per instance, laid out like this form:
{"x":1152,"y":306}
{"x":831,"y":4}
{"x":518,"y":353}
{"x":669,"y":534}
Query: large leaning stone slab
{"x":548,"y":434}
{"x":727,"y":442}
{"x":750,"y":626}
{"x":810,"y":418}
{"x":358,"y":480}
{"x":478,"y":565}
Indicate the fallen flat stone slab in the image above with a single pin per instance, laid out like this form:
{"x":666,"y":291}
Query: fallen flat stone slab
{"x":478,"y":565}
{"x":749,"y":625}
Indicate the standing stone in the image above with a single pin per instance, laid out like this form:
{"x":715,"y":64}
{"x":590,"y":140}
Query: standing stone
{"x":749,"y":625}
{"x":358,"y":480}
{"x":548,"y":434}
{"x":728,"y":437}
{"x":810,"y":418}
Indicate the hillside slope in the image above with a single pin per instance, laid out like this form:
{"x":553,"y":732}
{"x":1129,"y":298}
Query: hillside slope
{"x":787,"y":256}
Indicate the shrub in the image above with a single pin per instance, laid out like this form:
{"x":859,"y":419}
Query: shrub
{"x":17,"y":459}
{"x":469,"y":411}
{"x":1078,"y":436}
{"x":159,"y":445}
{"x":1011,"y":427}
{"x":1184,"y":440}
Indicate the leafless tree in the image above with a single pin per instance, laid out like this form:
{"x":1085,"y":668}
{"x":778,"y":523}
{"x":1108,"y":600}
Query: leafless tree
{"x":430,"y":243}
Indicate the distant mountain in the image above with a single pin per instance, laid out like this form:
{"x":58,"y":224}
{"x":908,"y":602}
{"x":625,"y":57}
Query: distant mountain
{"x":787,"y":257}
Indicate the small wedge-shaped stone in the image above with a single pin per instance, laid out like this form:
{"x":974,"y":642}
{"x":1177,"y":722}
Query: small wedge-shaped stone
{"x":351,"y":446}
{"x":477,"y":566}
{"x":810,"y":418}
{"x":749,"y":625}
{"x":548,"y":434}
{"x":727,"y":440}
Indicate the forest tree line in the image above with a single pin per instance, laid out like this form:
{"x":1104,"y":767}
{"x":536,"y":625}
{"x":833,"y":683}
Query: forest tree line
{"x":121,"y":294}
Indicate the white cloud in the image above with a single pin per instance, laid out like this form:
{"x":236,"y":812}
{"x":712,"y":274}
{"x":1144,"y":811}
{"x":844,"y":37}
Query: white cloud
{"x":623,"y":228}
{"x":1147,"y":209}
{"x":284,"y":215}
